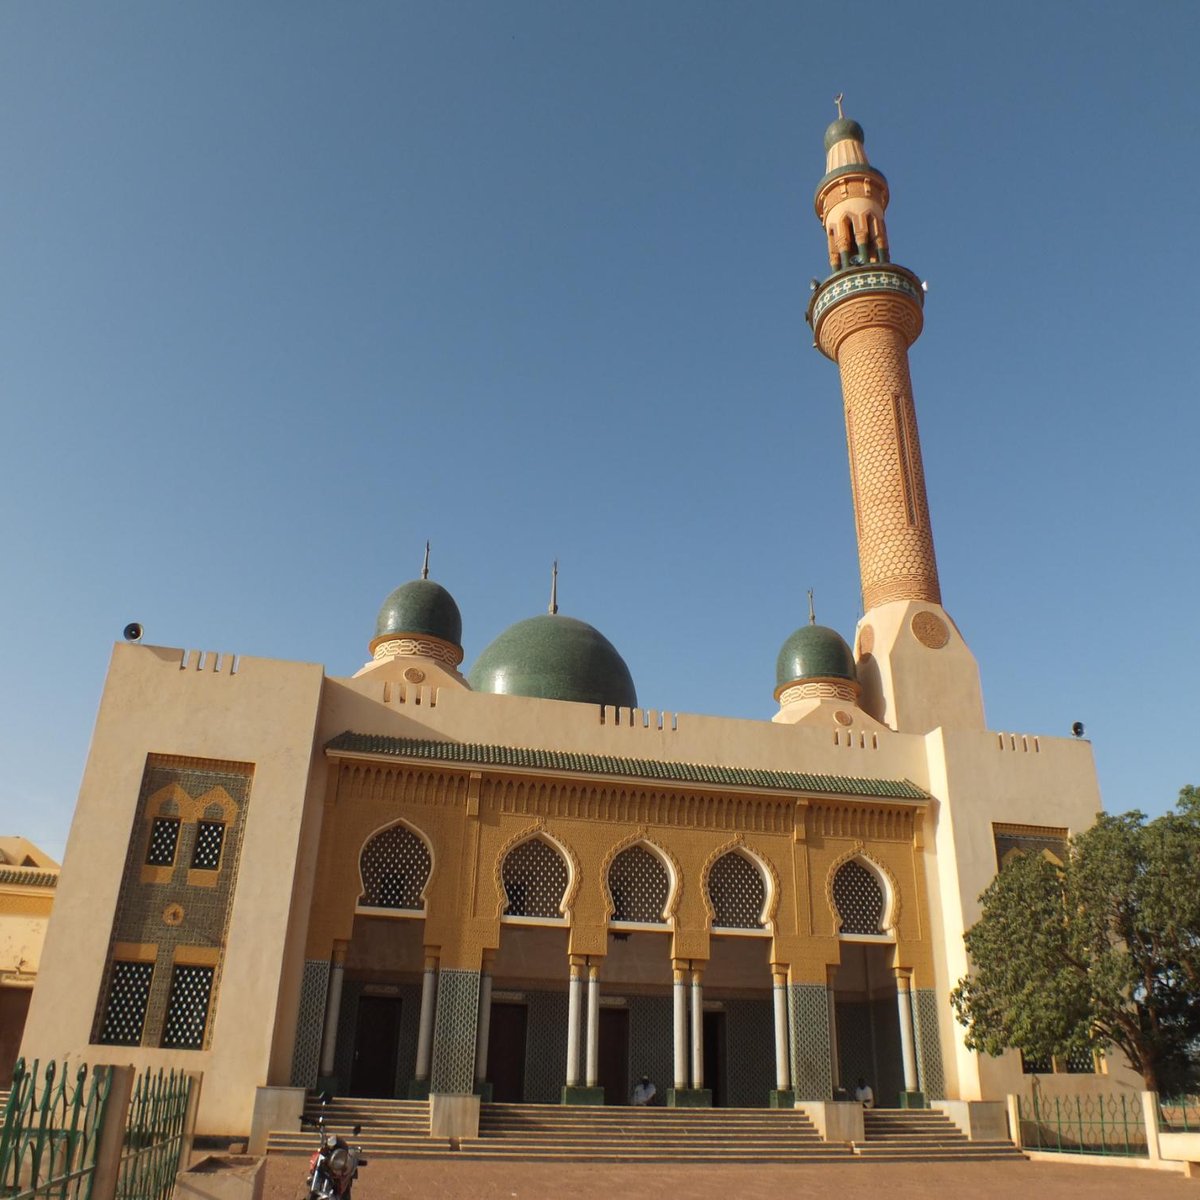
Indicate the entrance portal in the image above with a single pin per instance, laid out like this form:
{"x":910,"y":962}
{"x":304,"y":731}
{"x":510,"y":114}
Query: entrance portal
{"x":613,"y":1066}
{"x":868,"y":1023}
{"x":376,"y":1040}
{"x":714,"y":1056}
{"x":506,"y":1052}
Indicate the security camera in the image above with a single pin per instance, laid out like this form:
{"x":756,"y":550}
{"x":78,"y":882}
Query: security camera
{"x":133,"y":632}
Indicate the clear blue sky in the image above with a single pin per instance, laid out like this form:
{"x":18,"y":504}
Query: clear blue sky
{"x":289,"y":288}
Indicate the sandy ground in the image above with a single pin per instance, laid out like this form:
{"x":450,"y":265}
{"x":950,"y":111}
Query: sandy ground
{"x":392,"y":1179}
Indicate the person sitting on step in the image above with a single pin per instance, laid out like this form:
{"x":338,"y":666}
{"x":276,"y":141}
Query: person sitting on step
{"x":644,"y":1092}
{"x":863,"y":1093}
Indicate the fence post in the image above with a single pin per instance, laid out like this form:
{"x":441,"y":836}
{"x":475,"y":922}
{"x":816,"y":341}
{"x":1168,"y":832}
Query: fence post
{"x":1014,"y":1119}
{"x":196,"y":1078}
{"x":1150,"y":1120}
{"x":111,"y":1139}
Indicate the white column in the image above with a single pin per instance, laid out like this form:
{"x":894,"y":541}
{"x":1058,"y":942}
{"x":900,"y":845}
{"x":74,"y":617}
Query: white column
{"x":783,"y":1073}
{"x":574,"y":988}
{"x":835,"y":1073}
{"x":333,"y":1008}
{"x":679,"y":992}
{"x":697,"y":1030}
{"x":485,"y":1025}
{"x":425,"y":1030}
{"x":904,"y":1003}
{"x":593,"y":1026}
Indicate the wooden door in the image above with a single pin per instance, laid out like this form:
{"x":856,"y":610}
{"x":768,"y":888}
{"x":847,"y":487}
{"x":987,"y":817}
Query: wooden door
{"x":376,"y":1040}
{"x":506,"y":1052}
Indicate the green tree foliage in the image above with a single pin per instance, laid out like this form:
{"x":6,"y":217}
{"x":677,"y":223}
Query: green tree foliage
{"x":1101,"y":951}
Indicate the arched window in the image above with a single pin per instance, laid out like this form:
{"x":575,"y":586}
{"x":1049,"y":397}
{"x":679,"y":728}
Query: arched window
{"x":737,"y":892}
{"x":639,"y":886}
{"x":858,"y":895}
{"x":535,"y":879}
{"x":395,"y":867}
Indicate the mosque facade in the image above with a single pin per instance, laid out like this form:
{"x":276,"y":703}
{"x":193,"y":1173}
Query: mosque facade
{"x":518,"y":884}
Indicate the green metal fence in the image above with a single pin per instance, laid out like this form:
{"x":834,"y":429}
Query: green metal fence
{"x":154,"y":1133}
{"x":1100,"y":1124}
{"x":51,"y":1130}
{"x":1179,"y":1114}
{"x":55,"y":1123}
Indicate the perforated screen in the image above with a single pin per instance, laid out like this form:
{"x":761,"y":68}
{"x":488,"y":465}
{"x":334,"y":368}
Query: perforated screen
{"x":535,"y":879}
{"x":859,"y":899}
{"x":209,"y":837}
{"x":737,"y":892}
{"x":125,"y":1012}
{"x":395,"y":868}
{"x":639,"y":885}
{"x":187,"y":1008}
{"x":164,"y":835}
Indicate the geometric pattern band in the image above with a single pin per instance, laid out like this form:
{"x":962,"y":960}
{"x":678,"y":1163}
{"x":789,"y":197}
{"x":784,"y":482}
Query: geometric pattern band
{"x":454,"y":1026}
{"x":310,"y":1022}
{"x":808,"y":1010}
{"x":929,"y":1044}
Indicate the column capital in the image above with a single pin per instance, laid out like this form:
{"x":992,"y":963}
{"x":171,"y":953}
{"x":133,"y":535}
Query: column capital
{"x":431,"y":962}
{"x":338,"y":955}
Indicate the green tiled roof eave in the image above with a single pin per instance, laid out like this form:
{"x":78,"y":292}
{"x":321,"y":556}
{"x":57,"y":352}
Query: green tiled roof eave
{"x":637,"y":768}
{"x":29,"y":877}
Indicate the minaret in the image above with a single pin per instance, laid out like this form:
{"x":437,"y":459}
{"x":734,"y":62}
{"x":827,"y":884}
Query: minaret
{"x":916,"y":671}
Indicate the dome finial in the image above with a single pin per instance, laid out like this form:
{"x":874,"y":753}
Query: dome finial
{"x":838,"y":101}
{"x":812,"y":612}
{"x":554,"y":588}
{"x":425,"y":564}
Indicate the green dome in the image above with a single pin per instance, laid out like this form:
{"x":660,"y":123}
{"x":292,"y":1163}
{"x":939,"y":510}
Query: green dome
{"x":421,"y":606}
{"x":840,"y":130}
{"x":814,"y":652}
{"x":555,"y":658}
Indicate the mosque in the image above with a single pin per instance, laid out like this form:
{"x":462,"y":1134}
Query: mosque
{"x":514,"y":883}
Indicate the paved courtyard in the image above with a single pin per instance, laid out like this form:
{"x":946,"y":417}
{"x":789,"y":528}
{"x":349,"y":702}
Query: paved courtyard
{"x":391,"y":1179}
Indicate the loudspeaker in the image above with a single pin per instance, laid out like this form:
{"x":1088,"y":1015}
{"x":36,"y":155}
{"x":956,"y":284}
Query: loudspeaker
{"x":133,"y":632}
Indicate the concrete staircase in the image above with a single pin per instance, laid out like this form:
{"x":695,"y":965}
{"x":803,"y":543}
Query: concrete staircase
{"x":551,"y":1132}
{"x":565,"y":1133}
{"x":390,"y":1128}
{"x":922,"y":1134}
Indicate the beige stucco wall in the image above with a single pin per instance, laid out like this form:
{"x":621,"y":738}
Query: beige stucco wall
{"x":156,"y":701}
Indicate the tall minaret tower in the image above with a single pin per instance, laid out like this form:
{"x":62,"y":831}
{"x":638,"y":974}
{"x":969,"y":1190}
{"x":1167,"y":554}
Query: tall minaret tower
{"x":914,"y":667}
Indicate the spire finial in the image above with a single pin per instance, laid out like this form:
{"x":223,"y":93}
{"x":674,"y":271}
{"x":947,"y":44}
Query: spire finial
{"x":554,"y":588}
{"x":425,"y":564}
{"x":812,"y":612}
{"x":838,"y":101}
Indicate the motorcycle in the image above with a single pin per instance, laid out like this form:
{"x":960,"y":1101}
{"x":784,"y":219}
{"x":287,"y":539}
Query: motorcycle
{"x":333,"y":1169}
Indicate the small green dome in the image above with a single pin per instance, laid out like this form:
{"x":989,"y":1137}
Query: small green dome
{"x":840,"y":130}
{"x":555,"y":658}
{"x":814,"y":652}
{"x":421,"y":606}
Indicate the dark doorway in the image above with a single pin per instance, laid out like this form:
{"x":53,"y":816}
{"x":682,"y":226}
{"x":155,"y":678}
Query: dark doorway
{"x":376,"y":1038}
{"x":714,"y":1056}
{"x":613,"y":1067}
{"x":14,"y":1007}
{"x":506,"y":1052}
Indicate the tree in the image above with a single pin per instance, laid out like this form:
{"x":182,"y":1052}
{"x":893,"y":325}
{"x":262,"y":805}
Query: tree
{"x":1100,"y":951}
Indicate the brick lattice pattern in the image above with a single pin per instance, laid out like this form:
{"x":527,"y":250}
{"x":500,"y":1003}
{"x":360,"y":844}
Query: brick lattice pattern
{"x":929,"y":1043}
{"x":454,"y":1032}
{"x":178,"y":918}
{"x":891,"y":510}
{"x":808,"y":1015}
{"x":310,"y":1022}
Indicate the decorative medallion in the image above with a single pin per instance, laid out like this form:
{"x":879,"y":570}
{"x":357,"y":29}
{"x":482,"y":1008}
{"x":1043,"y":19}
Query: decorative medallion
{"x":866,"y":640}
{"x":173,"y":914}
{"x":842,"y":717}
{"x":930,"y":630}
{"x":414,"y":675}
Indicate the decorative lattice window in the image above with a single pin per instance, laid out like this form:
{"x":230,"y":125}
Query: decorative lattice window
{"x":125,"y":1012}
{"x":1079,"y":1062}
{"x":210,"y":836}
{"x":187,"y":1008}
{"x":1036,"y":1066}
{"x":395,"y":867}
{"x":859,"y":899}
{"x":535,"y":880}
{"x":639,"y":886}
{"x":164,"y":837}
{"x":737,"y":892}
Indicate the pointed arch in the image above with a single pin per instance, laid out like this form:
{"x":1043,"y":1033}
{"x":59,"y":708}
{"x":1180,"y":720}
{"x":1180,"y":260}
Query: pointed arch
{"x":766,"y":869}
{"x":537,"y":831}
{"x":664,"y":858}
{"x":395,"y":867}
{"x":889,"y":918}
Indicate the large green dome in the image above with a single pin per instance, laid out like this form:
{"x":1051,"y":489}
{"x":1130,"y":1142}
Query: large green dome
{"x":421,"y":606}
{"x":814,"y":652}
{"x":555,"y":658}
